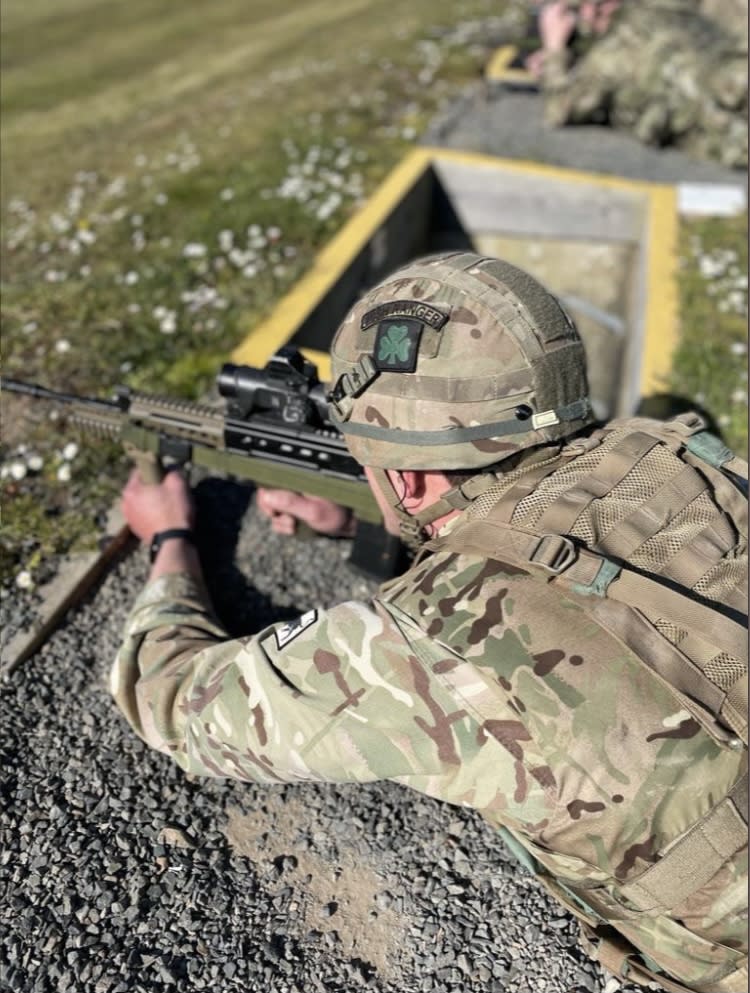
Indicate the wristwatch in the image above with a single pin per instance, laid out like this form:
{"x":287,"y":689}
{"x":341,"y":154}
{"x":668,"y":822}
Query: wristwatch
{"x":161,"y":536}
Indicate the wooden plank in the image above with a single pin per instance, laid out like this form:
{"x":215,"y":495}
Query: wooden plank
{"x":76,"y":577}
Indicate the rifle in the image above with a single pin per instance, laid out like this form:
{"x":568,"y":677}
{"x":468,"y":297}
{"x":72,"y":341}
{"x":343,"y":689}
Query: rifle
{"x":274,"y":430}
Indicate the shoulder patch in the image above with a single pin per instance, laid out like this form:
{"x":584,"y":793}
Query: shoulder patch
{"x":289,"y":631}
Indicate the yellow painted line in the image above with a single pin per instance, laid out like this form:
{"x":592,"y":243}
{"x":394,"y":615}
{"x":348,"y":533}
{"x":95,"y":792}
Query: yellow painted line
{"x":292,"y":309}
{"x":322,"y":360}
{"x":540,"y":169}
{"x":500,"y":68}
{"x":661,"y":322}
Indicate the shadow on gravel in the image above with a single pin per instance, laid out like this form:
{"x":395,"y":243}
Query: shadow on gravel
{"x":243,"y":610}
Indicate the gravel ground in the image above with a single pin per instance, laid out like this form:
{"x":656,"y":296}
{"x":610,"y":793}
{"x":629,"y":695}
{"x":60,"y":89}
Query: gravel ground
{"x":119,"y":874}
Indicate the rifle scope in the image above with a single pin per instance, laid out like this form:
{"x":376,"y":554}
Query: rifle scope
{"x":286,"y":390}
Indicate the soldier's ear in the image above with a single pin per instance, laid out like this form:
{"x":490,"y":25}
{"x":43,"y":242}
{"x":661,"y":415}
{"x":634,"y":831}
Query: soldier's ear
{"x":413,"y":486}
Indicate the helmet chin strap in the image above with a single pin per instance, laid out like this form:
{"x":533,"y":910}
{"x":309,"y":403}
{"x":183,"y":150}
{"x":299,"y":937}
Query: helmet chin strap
{"x":412,"y":526}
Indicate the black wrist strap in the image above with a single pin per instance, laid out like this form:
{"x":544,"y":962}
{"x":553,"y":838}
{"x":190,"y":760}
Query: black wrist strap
{"x":161,"y":536}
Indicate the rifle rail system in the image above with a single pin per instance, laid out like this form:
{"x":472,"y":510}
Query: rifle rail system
{"x":273,"y":431}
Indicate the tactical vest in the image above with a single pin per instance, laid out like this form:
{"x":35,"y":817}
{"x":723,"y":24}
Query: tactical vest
{"x":644,"y":524}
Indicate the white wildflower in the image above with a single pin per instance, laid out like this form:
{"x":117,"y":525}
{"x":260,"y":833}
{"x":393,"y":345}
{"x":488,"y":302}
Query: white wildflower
{"x":134,"y":308}
{"x":739,"y":396}
{"x":24,"y":580}
{"x":64,"y":473}
{"x":724,"y":420}
{"x":55,"y":276}
{"x":70,"y":451}
{"x":168,"y":323}
{"x":85,"y":271}
{"x":159,"y":312}
{"x":194,"y":250}
{"x":34,"y":462}
{"x":737,"y":348}
{"x":161,"y":199}
{"x":226,"y":194}
{"x":239,"y":258}
{"x":117,"y":187}
{"x":136,"y":220}
{"x":249,"y":271}
{"x":273,"y":233}
{"x":62,"y":345}
{"x":254,"y":230}
{"x":126,"y":367}
{"x":17,"y":470}
{"x":86,"y":235}
{"x":29,"y":326}
{"x":59,"y":223}
{"x":226,"y":240}
{"x":131,"y":278}
{"x":139,"y":240}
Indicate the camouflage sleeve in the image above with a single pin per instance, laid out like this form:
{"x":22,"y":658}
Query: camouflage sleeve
{"x":336,"y":695}
{"x":580,"y":93}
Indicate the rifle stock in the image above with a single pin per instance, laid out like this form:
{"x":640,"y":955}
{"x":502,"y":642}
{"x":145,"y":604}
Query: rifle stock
{"x":273,"y":431}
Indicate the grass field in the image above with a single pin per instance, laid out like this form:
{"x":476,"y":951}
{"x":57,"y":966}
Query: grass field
{"x":169,"y":170}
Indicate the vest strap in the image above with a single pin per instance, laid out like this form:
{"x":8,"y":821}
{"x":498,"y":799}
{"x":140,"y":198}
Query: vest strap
{"x":696,"y":858}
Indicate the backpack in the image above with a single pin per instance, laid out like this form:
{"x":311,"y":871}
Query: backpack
{"x":652,"y":517}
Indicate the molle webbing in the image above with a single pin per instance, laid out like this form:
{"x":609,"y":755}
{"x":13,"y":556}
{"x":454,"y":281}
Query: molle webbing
{"x":561,"y":515}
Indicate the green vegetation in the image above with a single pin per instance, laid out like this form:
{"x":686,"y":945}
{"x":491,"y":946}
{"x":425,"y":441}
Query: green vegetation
{"x":169,"y":171}
{"x":710,"y":365}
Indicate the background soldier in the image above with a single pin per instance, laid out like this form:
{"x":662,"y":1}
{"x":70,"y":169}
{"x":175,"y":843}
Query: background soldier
{"x":661,"y":69}
{"x":564,"y":655}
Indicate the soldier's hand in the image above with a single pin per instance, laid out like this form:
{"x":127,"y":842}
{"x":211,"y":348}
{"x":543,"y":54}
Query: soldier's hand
{"x":285,"y":509}
{"x":149,"y":508}
{"x":556,"y":25}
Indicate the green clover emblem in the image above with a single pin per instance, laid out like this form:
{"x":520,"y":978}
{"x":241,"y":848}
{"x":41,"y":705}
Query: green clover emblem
{"x":395,"y":345}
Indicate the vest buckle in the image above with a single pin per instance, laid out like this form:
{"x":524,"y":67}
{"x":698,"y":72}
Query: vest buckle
{"x":554,"y":553}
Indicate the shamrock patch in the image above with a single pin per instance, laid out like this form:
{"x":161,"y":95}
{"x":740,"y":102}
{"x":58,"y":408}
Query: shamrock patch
{"x":397,"y":345}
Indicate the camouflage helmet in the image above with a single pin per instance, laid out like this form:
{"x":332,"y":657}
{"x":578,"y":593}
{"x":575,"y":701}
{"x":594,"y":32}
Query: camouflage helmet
{"x":456,"y":362}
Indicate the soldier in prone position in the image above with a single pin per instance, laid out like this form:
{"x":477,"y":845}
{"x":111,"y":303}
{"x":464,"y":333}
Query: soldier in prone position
{"x":566,"y":654}
{"x":660,"y":69}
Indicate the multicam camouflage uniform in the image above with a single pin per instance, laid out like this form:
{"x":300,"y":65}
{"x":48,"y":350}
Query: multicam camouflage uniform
{"x":484,"y":679}
{"x":663,"y":72}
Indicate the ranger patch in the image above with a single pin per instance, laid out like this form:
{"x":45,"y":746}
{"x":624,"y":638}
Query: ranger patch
{"x":397,"y":344}
{"x":289,"y":631}
{"x":414,"y":309}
